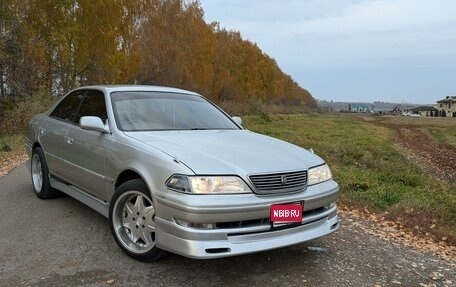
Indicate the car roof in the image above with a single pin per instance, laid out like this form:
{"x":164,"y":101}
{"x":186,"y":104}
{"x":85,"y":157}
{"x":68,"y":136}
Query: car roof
{"x":131,"y":88}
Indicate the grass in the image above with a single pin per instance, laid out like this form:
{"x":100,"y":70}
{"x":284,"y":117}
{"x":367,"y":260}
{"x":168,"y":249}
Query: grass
{"x":370,"y":171}
{"x":444,"y":135}
{"x":9,"y":143}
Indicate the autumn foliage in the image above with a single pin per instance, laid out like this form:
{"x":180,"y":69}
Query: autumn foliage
{"x":48,"y":47}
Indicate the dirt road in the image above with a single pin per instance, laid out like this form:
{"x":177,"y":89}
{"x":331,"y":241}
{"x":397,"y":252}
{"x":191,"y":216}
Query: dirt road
{"x":61,"y":242}
{"x":434,"y":157}
{"x":428,"y":152}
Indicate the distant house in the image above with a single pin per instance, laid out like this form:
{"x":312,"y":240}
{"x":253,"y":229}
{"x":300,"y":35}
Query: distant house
{"x":383,"y":111}
{"x":396,"y":111}
{"x":355,"y":108}
{"x":446,"y":107}
{"x":424,"y":111}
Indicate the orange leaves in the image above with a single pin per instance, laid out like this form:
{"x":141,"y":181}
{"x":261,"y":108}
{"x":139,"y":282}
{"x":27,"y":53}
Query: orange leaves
{"x":64,"y":44}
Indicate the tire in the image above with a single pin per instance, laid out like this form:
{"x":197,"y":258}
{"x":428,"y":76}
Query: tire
{"x":132,"y":221}
{"x":40,"y":175}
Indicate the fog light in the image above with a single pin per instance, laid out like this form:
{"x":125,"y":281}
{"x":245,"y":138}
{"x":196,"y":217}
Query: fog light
{"x":194,"y":224}
{"x":331,"y":205}
{"x":203,"y":225}
{"x":181,"y":222}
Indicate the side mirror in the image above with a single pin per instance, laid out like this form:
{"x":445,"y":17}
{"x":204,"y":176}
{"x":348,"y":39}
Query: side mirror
{"x":93,"y":124}
{"x":237,"y":120}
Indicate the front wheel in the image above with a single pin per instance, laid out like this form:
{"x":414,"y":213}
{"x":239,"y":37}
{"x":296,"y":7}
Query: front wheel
{"x":132,"y":221}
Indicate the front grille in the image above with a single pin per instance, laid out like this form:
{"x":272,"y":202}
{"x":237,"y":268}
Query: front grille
{"x":244,"y":223}
{"x":279,"y":182}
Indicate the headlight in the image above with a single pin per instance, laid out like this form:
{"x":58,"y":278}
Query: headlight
{"x":318,"y":174}
{"x":207,"y":184}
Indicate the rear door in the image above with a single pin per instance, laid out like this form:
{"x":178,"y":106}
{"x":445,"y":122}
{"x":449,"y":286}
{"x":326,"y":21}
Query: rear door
{"x":86,"y":150}
{"x":53,"y":131}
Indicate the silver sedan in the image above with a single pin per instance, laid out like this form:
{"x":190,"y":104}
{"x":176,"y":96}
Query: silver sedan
{"x":173,"y":172}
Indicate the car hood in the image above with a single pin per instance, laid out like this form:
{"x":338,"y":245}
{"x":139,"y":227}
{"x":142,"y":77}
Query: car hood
{"x":228,"y":152}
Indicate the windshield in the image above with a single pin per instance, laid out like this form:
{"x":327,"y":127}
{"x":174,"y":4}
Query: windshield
{"x":146,"y":111}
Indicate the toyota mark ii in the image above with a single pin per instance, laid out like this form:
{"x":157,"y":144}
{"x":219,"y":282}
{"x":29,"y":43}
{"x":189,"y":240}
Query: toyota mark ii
{"x":173,"y":172}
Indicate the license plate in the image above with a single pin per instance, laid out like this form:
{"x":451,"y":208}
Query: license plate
{"x":286,"y":213}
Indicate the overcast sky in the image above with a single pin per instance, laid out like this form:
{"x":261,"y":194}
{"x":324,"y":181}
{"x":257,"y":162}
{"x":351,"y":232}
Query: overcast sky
{"x":353,"y":50}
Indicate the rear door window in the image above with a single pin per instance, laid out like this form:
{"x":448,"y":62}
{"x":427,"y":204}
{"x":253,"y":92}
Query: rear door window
{"x":67,"y":109}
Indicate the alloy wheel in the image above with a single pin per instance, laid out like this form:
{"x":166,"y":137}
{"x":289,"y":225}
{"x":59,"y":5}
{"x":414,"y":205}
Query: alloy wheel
{"x":37,"y":173}
{"x":134,"y":221}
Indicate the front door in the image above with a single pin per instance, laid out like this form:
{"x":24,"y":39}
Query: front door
{"x":86,"y":150}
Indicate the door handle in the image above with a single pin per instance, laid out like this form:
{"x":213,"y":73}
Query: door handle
{"x":70,"y":140}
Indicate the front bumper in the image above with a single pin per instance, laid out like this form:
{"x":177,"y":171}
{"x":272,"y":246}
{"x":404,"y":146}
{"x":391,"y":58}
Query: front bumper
{"x":320,"y":219}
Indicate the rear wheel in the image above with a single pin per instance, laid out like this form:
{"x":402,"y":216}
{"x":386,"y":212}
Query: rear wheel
{"x":40,"y":175}
{"x":132,"y":221}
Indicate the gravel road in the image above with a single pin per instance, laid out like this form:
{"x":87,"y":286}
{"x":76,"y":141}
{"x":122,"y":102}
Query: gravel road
{"x":61,"y":242}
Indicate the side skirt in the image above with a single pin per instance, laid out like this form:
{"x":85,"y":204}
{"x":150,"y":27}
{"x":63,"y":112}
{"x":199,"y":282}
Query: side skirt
{"x":89,"y":200}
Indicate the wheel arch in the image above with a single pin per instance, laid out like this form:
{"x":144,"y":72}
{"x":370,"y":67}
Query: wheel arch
{"x":35,"y":145}
{"x":126,"y":175}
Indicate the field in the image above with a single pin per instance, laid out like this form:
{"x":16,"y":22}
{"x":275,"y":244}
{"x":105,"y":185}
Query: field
{"x":401,"y":168}
{"x":12,"y":152}
{"x":375,"y":167}
{"x":10,"y":142}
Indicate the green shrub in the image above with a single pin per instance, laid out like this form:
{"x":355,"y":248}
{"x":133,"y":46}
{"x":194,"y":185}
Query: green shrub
{"x":5,"y":147}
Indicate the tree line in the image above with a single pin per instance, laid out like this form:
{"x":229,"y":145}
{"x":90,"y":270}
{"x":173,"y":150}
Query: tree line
{"x":51,"y":46}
